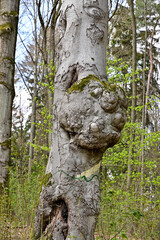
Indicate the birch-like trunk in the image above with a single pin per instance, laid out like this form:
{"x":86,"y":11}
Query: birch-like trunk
{"x":8,"y":32}
{"x":89,"y":114}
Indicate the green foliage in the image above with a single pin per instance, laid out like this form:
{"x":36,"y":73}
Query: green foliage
{"x":24,"y":194}
{"x":126,"y":209}
{"x":44,"y":117}
{"x":17,"y":210}
{"x":5,"y":231}
{"x":130,"y":213}
{"x":17,"y":216}
{"x":115,"y":70}
{"x":43,"y":128}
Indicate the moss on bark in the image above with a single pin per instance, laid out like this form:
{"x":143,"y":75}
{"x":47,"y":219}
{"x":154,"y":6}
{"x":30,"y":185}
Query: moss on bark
{"x":5,"y":28}
{"x":11,"y":60}
{"x":46,"y":179}
{"x":12,"y":13}
{"x":6,"y":143}
{"x":79,"y":86}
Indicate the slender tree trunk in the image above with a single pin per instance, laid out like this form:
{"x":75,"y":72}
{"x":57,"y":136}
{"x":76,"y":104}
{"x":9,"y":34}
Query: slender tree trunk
{"x":9,"y":11}
{"x":143,"y":102}
{"x":107,"y":27}
{"x":134,"y":87}
{"x":48,"y":52}
{"x":33,"y":115}
{"x":150,"y":70}
{"x":89,"y":114}
{"x":51,"y":58}
{"x":51,"y":45}
{"x":34,"y":95}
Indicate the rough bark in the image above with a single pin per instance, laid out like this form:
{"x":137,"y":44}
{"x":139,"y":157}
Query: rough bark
{"x":8,"y":33}
{"x":89,"y":114}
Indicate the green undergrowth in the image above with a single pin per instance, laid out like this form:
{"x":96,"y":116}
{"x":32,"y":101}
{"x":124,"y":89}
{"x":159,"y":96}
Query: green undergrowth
{"x":125,"y":212}
{"x":17,"y":216}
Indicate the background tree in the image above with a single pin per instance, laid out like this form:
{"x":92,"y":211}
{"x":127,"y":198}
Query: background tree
{"x":9,"y":11}
{"x":39,"y":46}
{"x":46,"y":47}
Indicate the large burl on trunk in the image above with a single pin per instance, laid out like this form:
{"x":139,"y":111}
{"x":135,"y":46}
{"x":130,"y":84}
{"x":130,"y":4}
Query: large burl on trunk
{"x":89,"y":114}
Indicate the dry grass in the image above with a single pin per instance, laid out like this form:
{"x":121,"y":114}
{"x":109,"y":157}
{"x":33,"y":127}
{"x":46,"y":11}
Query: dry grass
{"x":10,"y":232}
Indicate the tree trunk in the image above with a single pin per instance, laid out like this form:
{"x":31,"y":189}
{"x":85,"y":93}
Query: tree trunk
{"x":48,"y":53}
{"x":134,"y":88}
{"x":51,"y":44}
{"x":33,"y":115}
{"x":34,"y":95}
{"x":8,"y":31}
{"x":150,"y":70}
{"x":89,"y":114}
{"x":143,"y":101}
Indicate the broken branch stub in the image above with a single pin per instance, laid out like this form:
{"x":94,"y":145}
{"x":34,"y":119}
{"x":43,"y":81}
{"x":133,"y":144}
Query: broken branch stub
{"x":89,"y":114}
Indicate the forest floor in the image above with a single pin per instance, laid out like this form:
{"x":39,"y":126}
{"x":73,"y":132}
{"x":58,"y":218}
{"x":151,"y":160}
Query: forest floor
{"x":15,"y":233}
{"x":23,"y":233}
{"x":20,"y":233}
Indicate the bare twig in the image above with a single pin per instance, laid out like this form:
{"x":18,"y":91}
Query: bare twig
{"x":26,"y":47}
{"x":115,"y":10}
{"x":23,"y":80}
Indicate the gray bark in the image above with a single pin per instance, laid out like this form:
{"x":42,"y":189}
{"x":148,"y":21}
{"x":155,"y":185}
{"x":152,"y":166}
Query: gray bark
{"x":89,"y":114}
{"x":8,"y":33}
